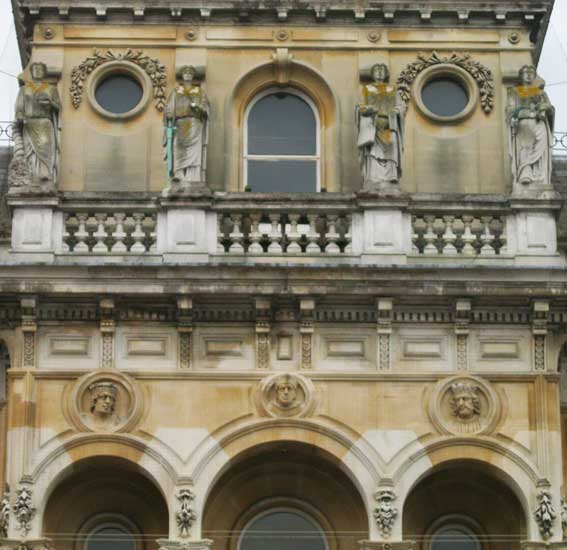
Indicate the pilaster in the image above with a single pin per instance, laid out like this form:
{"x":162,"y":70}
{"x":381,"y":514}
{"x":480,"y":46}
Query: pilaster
{"x":185,"y":331}
{"x":385,"y":316}
{"x":107,"y":330}
{"x":306,"y":330}
{"x":263,"y":314}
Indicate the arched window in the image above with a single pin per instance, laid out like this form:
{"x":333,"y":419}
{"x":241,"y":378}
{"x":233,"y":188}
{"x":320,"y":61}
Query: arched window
{"x":282,"y":529}
{"x":281,"y":143}
{"x":110,"y":532}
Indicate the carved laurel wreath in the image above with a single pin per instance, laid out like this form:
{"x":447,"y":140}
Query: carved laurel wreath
{"x":482,"y":75}
{"x":154,"y":69}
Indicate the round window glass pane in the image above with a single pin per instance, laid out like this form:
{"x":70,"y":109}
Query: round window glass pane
{"x":282,"y":530}
{"x":111,"y":537}
{"x":282,"y":124}
{"x":454,"y":538}
{"x":119,"y":93}
{"x":444,"y":96}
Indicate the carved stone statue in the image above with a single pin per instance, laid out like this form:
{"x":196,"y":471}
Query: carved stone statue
{"x":380,"y":123}
{"x":465,"y":401}
{"x":5,"y":515}
{"x":36,"y":133}
{"x":286,"y":391}
{"x":530,"y":120}
{"x":186,"y":132}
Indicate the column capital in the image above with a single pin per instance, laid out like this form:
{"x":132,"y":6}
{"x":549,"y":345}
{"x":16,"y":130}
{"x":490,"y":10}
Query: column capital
{"x":385,"y":545}
{"x":165,"y":544}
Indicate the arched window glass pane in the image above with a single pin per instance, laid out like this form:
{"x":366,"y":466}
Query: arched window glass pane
{"x":288,"y":176}
{"x":282,"y":124}
{"x":454,"y":538}
{"x":110,"y":537}
{"x":119,"y":93}
{"x":444,"y":97}
{"x":283,"y":530}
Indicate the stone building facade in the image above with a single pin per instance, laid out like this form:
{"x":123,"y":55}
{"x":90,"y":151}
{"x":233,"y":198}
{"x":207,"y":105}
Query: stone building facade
{"x":282,"y":275}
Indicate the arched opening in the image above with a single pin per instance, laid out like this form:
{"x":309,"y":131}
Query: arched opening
{"x":284,"y":496}
{"x":282,"y":143}
{"x":463,"y":506}
{"x":105,"y":503}
{"x":4,"y":367}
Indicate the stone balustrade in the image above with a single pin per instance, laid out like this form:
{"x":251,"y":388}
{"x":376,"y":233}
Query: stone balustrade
{"x":108,"y":232}
{"x":304,"y":229}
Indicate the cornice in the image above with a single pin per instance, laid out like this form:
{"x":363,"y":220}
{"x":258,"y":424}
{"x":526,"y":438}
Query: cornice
{"x":530,"y":14}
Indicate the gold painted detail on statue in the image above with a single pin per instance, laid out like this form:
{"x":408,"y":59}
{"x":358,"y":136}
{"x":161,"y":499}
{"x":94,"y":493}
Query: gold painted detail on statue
{"x":380,"y":99}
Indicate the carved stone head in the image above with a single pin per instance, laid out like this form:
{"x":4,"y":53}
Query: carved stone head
{"x":528,"y":74}
{"x":103,"y":396}
{"x":380,"y":72}
{"x":38,"y":71}
{"x":187,"y":73}
{"x":465,"y":400}
{"x":286,"y":391}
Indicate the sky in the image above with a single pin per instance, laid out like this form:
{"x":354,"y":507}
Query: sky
{"x":552,"y":66}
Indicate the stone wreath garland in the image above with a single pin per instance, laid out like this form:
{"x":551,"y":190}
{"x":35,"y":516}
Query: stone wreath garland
{"x":482,"y":75}
{"x":154,"y":69}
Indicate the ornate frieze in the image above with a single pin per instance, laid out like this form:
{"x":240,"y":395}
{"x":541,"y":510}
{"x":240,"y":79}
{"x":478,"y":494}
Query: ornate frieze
{"x":385,"y":310}
{"x":153,"y":68}
{"x":464,"y":404}
{"x":29,"y":329}
{"x":5,"y":509}
{"x":463,"y":310}
{"x":107,"y":329}
{"x":263,"y":308}
{"x":286,"y":395}
{"x":185,"y":515}
{"x":306,"y":330}
{"x":386,"y":512}
{"x":185,"y":331}
{"x":481,"y":74}
{"x":544,"y":514}
{"x":540,"y":319}
{"x":24,"y":511}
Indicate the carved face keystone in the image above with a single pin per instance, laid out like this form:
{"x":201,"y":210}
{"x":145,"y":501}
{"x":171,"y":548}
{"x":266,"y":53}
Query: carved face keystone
{"x":103,"y":404}
{"x":465,"y":401}
{"x":286,"y":393}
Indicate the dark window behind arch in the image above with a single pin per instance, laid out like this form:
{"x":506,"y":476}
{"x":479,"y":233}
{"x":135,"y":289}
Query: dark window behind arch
{"x":281,"y":144}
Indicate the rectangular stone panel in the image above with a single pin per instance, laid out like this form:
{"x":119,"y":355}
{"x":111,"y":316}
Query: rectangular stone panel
{"x":61,"y":345}
{"x":76,"y":32}
{"x":443,"y":36}
{"x":149,"y":346}
{"x":499,"y":350}
{"x":223,"y":346}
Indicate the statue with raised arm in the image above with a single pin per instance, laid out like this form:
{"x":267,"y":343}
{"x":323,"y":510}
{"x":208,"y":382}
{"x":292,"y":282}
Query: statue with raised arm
{"x":186,"y":132}
{"x":36,"y":134}
{"x":380,"y":124}
{"x":530,"y":119}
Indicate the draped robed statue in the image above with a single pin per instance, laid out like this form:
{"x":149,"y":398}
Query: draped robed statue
{"x":35,"y":161}
{"x":380,"y":124}
{"x":186,"y":132}
{"x":530,"y":117}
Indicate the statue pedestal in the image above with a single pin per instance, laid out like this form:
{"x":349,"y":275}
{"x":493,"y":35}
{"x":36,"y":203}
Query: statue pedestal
{"x":165,"y":544}
{"x":178,"y":189}
{"x":386,"y":545}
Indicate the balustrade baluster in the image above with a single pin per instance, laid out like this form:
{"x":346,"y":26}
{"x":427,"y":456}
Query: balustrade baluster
{"x":66,"y":236}
{"x":293,"y":235}
{"x":449,"y":237}
{"x":503,"y":238}
{"x":414,"y":235}
{"x":487,"y":238}
{"x":468,"y":237}
{"x":313,"y":236}
{"x":275,"y":235}
{"x":100,"y":235}
{"x":430,"y":237}
{"x":348,"y":233}
{"x":82,"y":234}
{"x":138,"y":247}
{"x":236,"y":235}
{"x":255,"y":235}
{"x":332,"y":236}
{"x":119,"y":235}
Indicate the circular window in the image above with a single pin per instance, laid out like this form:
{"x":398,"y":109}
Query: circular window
{"x":444,"y":96}
{"x":119,"y":93}
{"x":119,"y":90}
{"x":446,"y":93}
{"x":282,"y":529}
{"x":454,"y":537}
{"x":110,"y":536}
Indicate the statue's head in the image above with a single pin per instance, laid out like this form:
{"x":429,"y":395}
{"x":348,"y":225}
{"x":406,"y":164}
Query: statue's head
{"x":187,"y":73}
{"x":286,"y":391}
{"x":528,"y":74}
{"x":465,"y":400}
{"x":38,"y":70}
{"x":103,"y":395}
{"x":380,"y":72}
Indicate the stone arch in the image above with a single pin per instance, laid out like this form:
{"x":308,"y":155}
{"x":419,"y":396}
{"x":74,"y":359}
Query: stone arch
{"x":289,"y":73}
{"x":215,"y":458}
{"x":497,"y":462}
{"x":285,"y":475}
{"x":62,"y":462}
